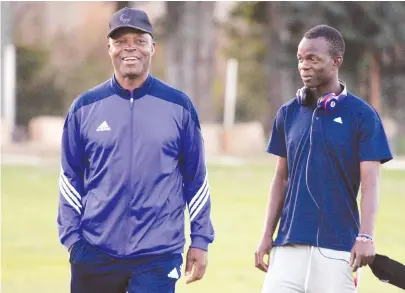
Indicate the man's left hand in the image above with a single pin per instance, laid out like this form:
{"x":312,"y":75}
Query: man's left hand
{"x":362,"y":254}
{"x":197,"y":259}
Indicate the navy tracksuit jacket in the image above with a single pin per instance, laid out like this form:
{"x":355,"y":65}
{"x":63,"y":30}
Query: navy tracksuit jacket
{"x":131,"y":163}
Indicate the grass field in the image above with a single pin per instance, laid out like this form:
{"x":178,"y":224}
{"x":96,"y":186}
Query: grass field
{"x":33,"y":261}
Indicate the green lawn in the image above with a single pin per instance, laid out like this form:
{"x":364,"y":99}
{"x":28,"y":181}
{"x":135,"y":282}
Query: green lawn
{"x":33,"y":260}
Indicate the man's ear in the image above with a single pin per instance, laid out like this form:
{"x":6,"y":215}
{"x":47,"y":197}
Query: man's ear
{"x":337,"y":62}
{"x":110,"y":44}
{"x":153,"y":48}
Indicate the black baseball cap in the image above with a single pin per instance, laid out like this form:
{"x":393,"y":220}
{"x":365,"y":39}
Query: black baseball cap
{"x":132,"y":18}
{"x":388,"y":270}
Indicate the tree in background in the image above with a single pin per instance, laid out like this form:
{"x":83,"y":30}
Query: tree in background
{"x":121,"y":4}
{"x":189,"y":45}
{"x":247,"y":44}
{"x":37,"y":94}
{"x":76,"y":54}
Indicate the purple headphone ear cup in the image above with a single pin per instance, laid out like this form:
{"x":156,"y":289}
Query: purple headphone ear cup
{"x":328,"y":102}
{"x":331,"y":103}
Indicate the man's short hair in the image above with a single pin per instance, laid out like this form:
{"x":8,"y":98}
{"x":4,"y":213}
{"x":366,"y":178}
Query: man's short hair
{"x":332,"y":35}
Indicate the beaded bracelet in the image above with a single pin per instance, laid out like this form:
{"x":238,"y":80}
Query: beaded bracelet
{"x":365,"y":238}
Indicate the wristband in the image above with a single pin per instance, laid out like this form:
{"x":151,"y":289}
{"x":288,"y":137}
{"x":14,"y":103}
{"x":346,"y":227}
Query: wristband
{"x":364,"y":239}
{"x":366,"y":236}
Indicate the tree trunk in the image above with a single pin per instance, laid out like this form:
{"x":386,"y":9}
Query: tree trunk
{"x":121,"y":4}
{"x":189,"y":52}
{"x":190,"y":47}
{"x":375,"y":83}
{"x":180,"y":46}
{"x":275,"y":49}
{"x":174,"y":44}
{"x":205,"y":60}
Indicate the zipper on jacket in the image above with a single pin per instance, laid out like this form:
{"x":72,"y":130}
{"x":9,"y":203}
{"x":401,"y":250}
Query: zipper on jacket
{"x":131,"y":143}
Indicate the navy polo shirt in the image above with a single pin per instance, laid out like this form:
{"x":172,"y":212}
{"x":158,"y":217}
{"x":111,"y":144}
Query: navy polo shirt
{"x":325,"y":167}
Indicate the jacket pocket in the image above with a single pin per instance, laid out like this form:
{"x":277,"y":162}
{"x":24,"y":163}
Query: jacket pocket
{"x":76,"y":248}
{"x":84,"y":253}
{"x":92,"y":213}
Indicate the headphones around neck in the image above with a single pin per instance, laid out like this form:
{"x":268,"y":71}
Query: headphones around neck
{"x":328,"y":101}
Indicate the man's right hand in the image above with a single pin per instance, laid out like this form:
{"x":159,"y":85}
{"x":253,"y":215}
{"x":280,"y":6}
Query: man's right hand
{"x":264,"y":249}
